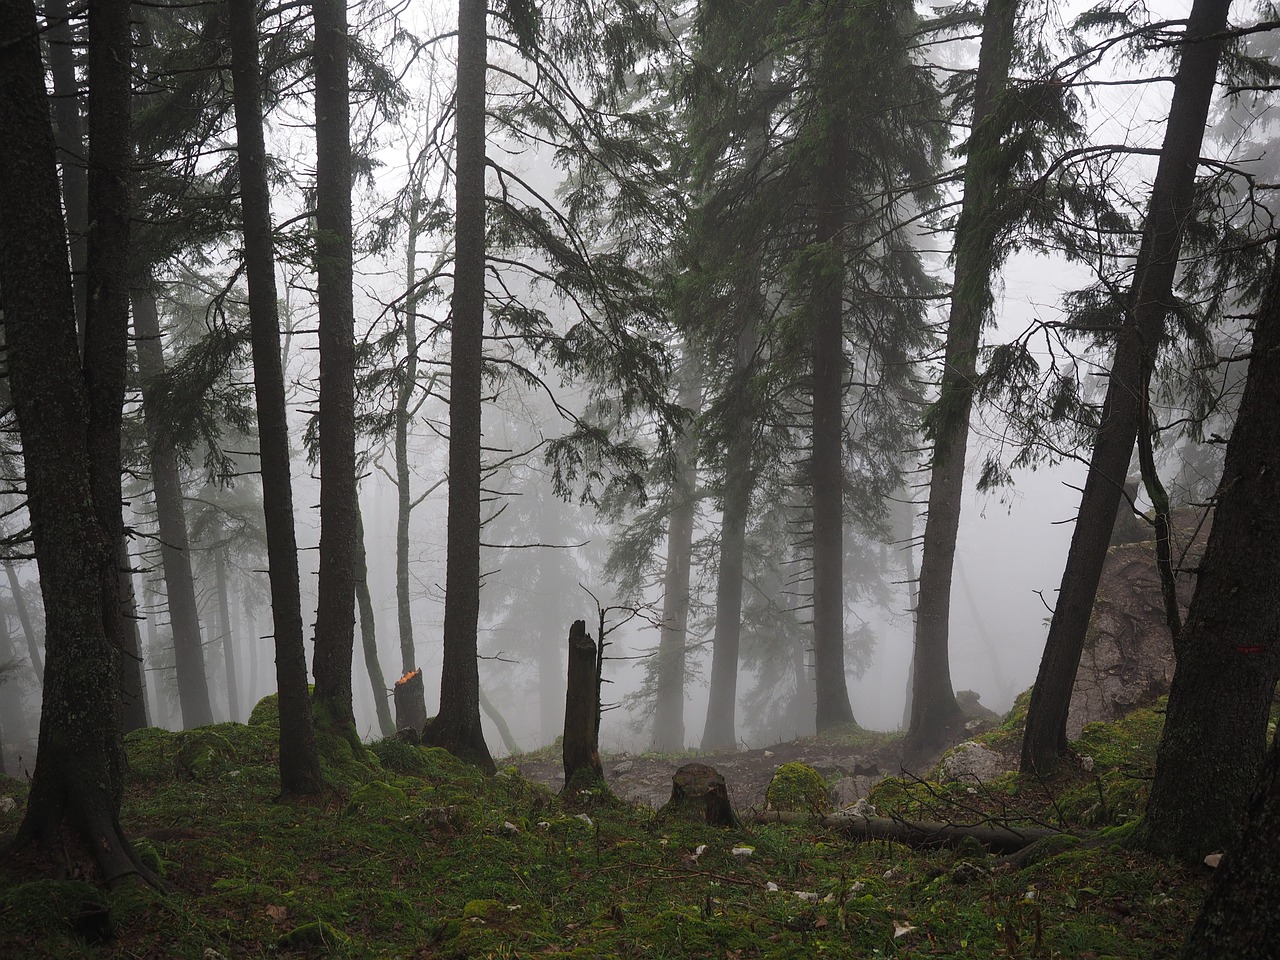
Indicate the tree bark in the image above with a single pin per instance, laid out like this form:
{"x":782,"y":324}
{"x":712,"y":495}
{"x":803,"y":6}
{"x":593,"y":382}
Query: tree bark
{"x":934,"y":711}
{"x":457,"y":726}
{"x":299,"y":758}
{"x":404,"y":400}
{"x":720,"y":732}
{"x":410,"y":700}
{"x":78,"y":779}
{"x":1239,"y":918}
{"x":581,"y":748}
{"x":228,"y":638}
{"x":133,"y":684}
{"x":826,"y":463}
{"x":1150,"y":301}
{"x":69,"y":136}
{"x":335,"y":614}
{"x":1227,"y":655}
{"x":175,"y":546}
{"x":369,"y":635}
{"x":668,"y":716}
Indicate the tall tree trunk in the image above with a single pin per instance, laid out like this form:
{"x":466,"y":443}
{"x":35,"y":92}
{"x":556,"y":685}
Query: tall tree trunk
{"x":336,"y":584}
{"x":1239,"y":918}
{"x":457,"y":726}
{"x":69,"y":136}
{"x":1150,"y":301}
{"x":720,"y":732}
{"x":1228,"y":655}
{"x":934,"y":711}
{"x":13,"y":721}
{"x":369,"y":635}
{"x":133,"y":684}
{"x":404,"y":402}
{"x":299,"y":758}
{"x":24,"y":618}
{"x":175,"y":547}
{"x":668,"y":717}
{"x":78,"y":779}
{"x":826,"y":463}
{"x":228,"y":639}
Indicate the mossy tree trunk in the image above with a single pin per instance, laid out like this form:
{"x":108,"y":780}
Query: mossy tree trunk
{"x":1228,"y":654}
{"x":78,"y":780}
{"x":24,"y":618}
{"x":1239,"y":918}
{"x":1150,"y":301}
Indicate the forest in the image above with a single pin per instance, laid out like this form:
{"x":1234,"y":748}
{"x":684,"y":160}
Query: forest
{"x":357,"y":355}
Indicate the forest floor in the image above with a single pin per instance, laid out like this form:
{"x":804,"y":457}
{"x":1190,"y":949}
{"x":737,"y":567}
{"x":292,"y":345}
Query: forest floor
{"x":412,"y":854}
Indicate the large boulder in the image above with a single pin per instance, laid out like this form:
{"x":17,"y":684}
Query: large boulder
{"x":1127,"y":661}
{"x":971,"y":762}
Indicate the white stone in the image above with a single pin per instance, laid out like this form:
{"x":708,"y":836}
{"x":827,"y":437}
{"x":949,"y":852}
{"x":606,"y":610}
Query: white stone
{"x":971,"y":761}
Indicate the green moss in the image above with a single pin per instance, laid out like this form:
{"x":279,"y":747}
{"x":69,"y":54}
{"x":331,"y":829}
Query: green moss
{"x":314,"y":936}
{"x":149,"y":856}
{"x":394,"y":754}
{"x":266,"y":712}
{"x":378,"y":798}
{"x":63,"y":910}
{"x":1130,"y":741}
{"x":202,"y":754}
{"x":798,"y":788}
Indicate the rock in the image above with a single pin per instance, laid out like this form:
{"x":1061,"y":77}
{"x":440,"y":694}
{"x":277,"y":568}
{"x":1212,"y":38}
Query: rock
{"x":971,"y":761}
{"x":1212,"y":860}
{"x":699,"y":793}
{"x":625,"y":766}
{"x":797,"y":788}
{"x":972,"y":708}
{"x":849,"y":790}
{"x":1127,"y":661}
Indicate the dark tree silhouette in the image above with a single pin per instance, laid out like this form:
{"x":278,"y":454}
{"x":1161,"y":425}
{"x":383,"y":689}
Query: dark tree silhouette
{"x":1150,"y":301}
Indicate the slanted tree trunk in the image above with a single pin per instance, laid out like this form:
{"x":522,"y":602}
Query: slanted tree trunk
{"x":1150,"y":301}
{"x":668,"y":716}
{"x":335,"y":614}
{"x":369,"y":635}
{"x":299,"y":758}
{"x":24,"y":618}
{"x":581,"y":748}
{"x":1228,"y":655}
{"x":826,"y":458}
{"x":933,"y":708}
{"x":1239,"y":918}
{"x":78,"y":780}
{"x":171,"y":517}
{"x":456,"y":727}
{"x":228,"y":638}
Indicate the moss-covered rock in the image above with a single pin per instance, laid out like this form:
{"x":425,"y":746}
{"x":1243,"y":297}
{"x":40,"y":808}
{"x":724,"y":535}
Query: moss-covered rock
{"x":266,"y":712}
{"x":202,"y":754}
{"x":798,"y":788}
{"x":378,"y":798}
{"x":60,"y":908}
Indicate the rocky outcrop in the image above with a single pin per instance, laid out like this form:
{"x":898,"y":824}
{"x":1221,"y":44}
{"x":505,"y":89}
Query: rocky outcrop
{"x":1128,"y":653}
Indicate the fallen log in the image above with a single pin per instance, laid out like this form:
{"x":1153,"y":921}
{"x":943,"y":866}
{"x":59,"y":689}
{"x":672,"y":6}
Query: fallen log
{"x":998,"y":838}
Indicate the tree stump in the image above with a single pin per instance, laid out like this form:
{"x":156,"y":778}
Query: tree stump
{"x":699,"y":793}
{"x":581,"y":750}
{"x":411,"y":702}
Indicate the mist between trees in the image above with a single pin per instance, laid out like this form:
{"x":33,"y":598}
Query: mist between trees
{"x":736,"y":329}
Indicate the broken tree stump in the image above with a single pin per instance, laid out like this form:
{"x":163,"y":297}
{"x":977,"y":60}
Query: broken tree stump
{"x":581,"y":751}
{"x":410,"y":700}
{"x":698,"y":792}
